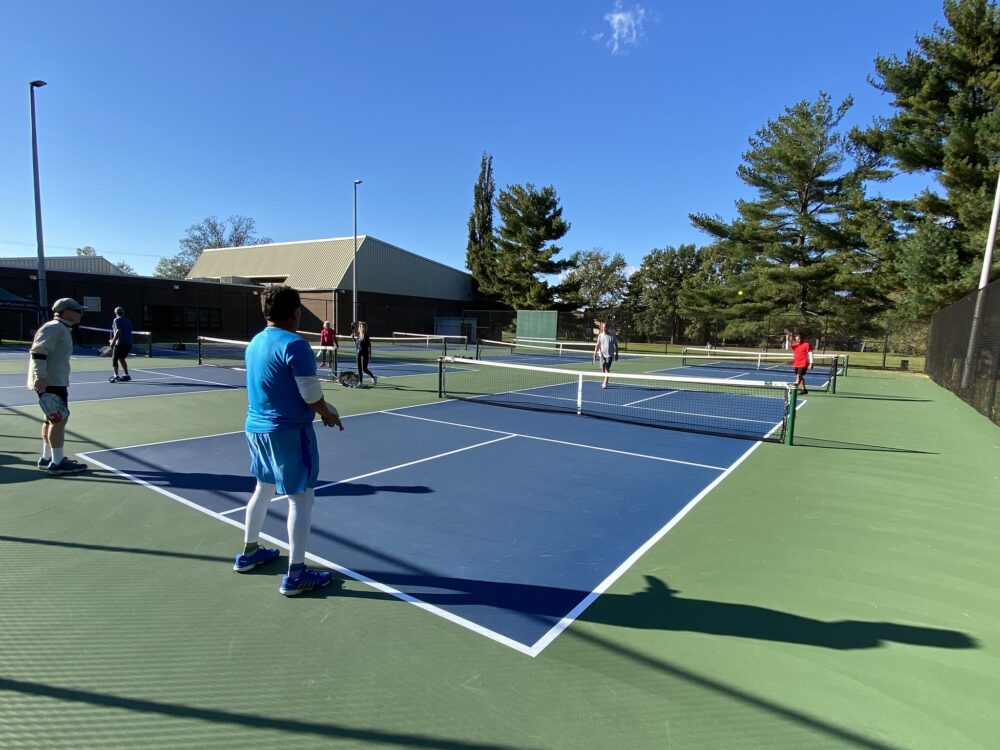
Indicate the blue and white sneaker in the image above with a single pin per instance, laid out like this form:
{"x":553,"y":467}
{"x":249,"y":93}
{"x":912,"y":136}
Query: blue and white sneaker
{"x":307,"y":580}
{"x":66,"y":466}
{"x":260,"y":556}
{"x":43,"y":463}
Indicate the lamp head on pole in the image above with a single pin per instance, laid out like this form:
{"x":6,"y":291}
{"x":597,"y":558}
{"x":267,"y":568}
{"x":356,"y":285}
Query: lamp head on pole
{"x":38,"y":84}
{"x":357,"y":182}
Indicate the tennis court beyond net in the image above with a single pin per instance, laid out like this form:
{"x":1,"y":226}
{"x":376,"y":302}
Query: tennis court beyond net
{"x":755,"y":410}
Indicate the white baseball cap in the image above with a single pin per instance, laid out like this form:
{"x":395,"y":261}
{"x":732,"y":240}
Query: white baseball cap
{"x":67,"y":303}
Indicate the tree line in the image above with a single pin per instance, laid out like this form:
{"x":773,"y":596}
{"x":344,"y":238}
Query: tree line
{"x":817,"y":241}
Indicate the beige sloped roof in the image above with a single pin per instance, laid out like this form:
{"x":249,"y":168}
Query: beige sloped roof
{"x":71,"y":263}
{"x":326,"y":264}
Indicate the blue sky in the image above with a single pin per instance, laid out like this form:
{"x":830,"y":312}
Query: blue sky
{"x":158,"y":114}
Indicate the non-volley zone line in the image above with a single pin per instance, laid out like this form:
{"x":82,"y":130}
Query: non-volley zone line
{"x":484,"y":529}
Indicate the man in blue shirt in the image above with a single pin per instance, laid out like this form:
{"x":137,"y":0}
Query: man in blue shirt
{"x":284,"y":397}
{"x":121,"y":344}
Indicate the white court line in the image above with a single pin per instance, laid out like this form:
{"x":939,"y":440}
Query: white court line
{"x":507,"y":436}
{"x":660,"y":395}
{"x":185,"y":377}
{"x":237,"y":432}
{"x":96,"y":382}
{"x":566,"y":442}
{"x":532,"y":650}
{"x":442,"y":613}
{"x":538,"y":646}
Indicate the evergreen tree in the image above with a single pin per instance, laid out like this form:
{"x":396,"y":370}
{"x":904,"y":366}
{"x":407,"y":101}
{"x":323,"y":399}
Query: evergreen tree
{"x":804,"y":243}
{"x":481,"y":251}
{"x":947,"y":93}
{"x":530,"y":219}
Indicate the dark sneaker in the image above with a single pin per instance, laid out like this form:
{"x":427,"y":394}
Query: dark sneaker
{"x":43,"y":463}
{"x":67,"y":466}
{"x":307,"y":580}
{"x":374,"y":380}
{"x":113,"y":379}
{"x":260,"y":556}
{"x":125,"y":378}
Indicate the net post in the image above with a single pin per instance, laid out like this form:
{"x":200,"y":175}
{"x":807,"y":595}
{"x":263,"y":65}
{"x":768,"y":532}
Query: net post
{"x":833,"y":378}
{"x":440,"y":377}
{"x":579,"y":394}
{"x":847,"y":358}
{"x":149,"y":345}
{"x":200,"y":362}
{"x":793,"y":396}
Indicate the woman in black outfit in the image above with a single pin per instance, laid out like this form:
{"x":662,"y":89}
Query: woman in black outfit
{"x":364,"y":353}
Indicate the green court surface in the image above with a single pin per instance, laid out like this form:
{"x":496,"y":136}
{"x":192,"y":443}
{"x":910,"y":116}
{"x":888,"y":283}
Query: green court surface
{"x":840,"y":593}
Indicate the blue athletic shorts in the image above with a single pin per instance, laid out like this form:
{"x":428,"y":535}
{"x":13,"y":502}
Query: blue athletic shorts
{"x":288,"y":459}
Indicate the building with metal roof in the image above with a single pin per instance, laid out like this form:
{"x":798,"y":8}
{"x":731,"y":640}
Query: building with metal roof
{"x":397,"y":290}
{"x":69,"y":263}
{"x":326,"y":265}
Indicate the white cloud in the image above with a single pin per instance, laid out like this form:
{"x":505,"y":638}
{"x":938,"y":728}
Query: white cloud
{"x":626,"y":27}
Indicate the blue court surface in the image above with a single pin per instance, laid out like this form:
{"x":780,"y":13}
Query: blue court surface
{"x":506,"y":522}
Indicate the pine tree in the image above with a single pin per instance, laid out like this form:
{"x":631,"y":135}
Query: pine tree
{"x":947,"y":93}
{"x":481,"y":251}
{"x":530,"y":219}
{"x":804,"y":242}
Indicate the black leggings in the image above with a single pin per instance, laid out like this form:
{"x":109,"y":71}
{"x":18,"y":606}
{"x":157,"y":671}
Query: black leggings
{"x":363,"y":367}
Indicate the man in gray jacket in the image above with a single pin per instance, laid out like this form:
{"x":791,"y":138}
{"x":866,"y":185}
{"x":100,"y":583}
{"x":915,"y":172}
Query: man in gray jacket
{"x":48,"y":375}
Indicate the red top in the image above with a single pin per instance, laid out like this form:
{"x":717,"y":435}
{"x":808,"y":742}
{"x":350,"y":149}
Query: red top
{"x":800,"y":354}
{"x":327,"y":337}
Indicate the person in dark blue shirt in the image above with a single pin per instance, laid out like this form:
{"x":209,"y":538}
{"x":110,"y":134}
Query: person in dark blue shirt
{"x":121,"y":344}
{"x":284,"y":397}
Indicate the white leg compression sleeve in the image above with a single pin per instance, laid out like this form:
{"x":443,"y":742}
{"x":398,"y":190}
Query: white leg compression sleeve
{"x":261,"y":499}
{"x":300,"y":507}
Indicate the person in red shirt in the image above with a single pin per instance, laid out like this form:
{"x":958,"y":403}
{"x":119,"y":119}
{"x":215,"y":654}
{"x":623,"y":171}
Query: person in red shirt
{"x":802,"y":360}
{"x":328,"y":342}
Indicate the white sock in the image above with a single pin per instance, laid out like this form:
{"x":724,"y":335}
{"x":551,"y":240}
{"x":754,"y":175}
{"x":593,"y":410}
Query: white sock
{"x":299,"y":518}
{"x":57,"y":455}
{"x":46,"y":450}
{"x":262,"y":496}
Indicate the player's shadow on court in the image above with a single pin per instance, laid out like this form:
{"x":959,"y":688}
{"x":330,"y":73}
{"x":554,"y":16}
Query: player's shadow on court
{"x":659,"y":607}
{"x":847,"y":394}
{"x":804,"y":441}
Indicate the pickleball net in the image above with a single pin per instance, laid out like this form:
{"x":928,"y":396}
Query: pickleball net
{"x":385,"y":350}
{"x":754,"y":410}
{"x":227,"y":352}
{"x":541,"y":352}
{"x":838,"y":362}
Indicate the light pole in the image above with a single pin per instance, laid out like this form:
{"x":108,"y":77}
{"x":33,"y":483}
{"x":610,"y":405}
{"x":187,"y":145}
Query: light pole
{"x":43,"y":292}
{"x":354,"y":262}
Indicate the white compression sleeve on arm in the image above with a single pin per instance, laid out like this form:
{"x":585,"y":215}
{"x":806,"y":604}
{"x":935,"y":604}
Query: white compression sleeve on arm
{"x":309,"y":388}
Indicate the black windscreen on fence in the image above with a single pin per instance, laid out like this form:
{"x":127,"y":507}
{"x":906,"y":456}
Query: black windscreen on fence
{"x":963,"y":350}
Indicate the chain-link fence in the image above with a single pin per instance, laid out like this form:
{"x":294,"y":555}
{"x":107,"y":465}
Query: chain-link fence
{"x":963,"y":351}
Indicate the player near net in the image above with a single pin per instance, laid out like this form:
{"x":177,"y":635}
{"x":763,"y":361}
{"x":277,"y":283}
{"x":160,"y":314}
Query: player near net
{"x":607,"y":349}
{"x":284,"y":396}
{"x":121,"y":344}
{"x":802,"y":360}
